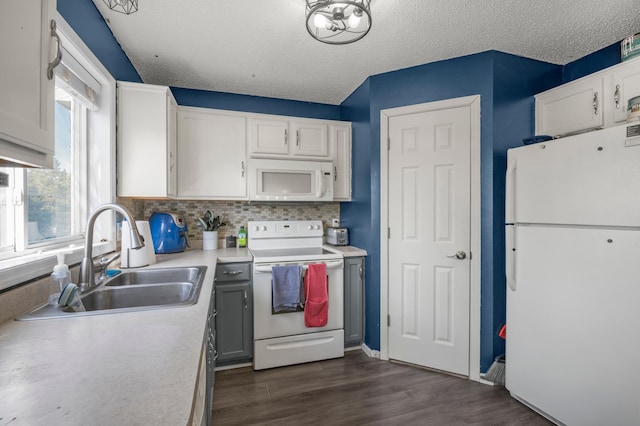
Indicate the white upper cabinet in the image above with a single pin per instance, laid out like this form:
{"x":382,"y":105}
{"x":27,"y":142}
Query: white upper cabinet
{"x":340,"y":143}
{"x":146,"y":141}
{"x":212,"y":154}
{"x":282,"y":137}
{"x":595,"y":101}
{"x":269,"y":136}
{"x":570,"y":108}
{"x":310,"y":139}
{"x":626,"y":85}
{"x":27,"y":94}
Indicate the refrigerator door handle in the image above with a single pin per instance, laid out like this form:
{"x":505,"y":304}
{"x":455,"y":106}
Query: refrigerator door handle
{"x":510,"y":189}
{"x":510,"y":246}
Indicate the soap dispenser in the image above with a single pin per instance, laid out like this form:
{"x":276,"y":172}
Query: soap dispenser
{"x":60,"y":277}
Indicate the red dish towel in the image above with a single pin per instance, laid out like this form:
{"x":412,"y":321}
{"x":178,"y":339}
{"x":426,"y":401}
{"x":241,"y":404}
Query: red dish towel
{"x":316,"y":307}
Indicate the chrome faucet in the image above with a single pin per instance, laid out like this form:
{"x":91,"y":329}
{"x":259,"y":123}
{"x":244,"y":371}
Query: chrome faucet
{"x":87,"y":275}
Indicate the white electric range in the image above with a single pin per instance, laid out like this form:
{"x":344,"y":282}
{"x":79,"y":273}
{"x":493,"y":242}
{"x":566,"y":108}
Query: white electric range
{"x":282,"y":338}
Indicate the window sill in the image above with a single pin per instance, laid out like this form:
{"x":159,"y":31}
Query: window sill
{"x":19,"y":270}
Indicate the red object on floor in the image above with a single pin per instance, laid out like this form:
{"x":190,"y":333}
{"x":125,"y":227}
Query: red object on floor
{"x":316,"y":307}
{"x":503,"y":332}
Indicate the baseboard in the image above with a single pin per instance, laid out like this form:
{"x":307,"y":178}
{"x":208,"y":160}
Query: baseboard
{"x":232,"y":366}
{"x":485,"y":381}
{"x":371,"y":353}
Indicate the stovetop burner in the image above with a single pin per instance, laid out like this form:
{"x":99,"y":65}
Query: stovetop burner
{"x":288,"y":241}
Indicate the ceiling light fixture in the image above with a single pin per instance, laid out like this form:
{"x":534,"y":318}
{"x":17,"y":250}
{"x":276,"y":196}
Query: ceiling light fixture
{"x":338,"y":22}
{"x":123,"y":6}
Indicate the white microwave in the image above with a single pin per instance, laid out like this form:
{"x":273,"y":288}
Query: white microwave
{"x":290,"y":180}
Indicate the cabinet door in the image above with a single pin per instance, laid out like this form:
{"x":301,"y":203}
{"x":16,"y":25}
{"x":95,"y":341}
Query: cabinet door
{"x":27,"y":95}
{"x":172,"y":146}
{"x":211,"y":154}
{"x":310,"y":139}
{"x":353,"y":300}
{"x":570,"y":108}
{"x":626,"y":85}
{"x":269,"y":136}
{"x":234,"y":337}
{"x":143,"y":123}
{"x":198,"y":414}
{"x":340,"y":137}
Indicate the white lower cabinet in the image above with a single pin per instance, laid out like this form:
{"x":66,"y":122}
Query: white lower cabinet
{"x":27,"y":94}
{"x":340,"y":147}
{"x":146,"y":141}
{"x":212,"y":154}
{"x":198,"y":414}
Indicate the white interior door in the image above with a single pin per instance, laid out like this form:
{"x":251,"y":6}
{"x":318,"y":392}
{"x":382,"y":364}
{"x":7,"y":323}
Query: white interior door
{"x":429,"y":243}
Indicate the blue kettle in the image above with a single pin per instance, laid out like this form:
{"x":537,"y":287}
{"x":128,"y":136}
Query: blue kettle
{"x":169,"y":233}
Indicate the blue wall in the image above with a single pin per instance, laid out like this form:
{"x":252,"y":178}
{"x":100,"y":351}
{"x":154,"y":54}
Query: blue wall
{"x":503,"y":94}
{"x":86,"y":21}
{"x":596,"y":61}
{"x":256,"y":104}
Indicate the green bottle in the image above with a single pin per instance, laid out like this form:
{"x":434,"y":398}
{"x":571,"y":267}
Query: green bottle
{"x":242,"y":237}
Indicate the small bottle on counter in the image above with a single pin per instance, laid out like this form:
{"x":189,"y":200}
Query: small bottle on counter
{"x":242,"y":237}
{"x":61,"y":276}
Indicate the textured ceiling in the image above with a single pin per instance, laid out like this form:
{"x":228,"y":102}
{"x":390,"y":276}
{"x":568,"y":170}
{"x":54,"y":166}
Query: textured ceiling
{"x":262,"y":48}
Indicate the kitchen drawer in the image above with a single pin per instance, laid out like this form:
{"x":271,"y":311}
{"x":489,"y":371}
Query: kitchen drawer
{"x":233,"y":272}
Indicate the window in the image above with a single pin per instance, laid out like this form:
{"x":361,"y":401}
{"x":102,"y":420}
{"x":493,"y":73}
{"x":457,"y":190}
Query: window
{"x":43,"y":210}
{"x":53,"y":198}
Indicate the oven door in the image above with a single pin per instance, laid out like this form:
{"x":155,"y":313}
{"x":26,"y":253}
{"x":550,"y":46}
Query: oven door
{"x":268,"y":324}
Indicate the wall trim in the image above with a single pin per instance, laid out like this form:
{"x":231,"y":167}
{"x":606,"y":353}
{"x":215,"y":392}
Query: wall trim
{"x":474,"y":303}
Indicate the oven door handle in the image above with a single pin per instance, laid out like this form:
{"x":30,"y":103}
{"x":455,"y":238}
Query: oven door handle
{"x":331,"y":264}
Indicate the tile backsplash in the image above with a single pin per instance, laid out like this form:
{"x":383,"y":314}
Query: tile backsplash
{"x":234,"y":213}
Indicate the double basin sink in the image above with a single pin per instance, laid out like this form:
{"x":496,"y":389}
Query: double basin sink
{"x":134,"y":291}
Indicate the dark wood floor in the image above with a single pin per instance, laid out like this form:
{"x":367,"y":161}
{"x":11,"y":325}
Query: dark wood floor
{"x":357,"y":390}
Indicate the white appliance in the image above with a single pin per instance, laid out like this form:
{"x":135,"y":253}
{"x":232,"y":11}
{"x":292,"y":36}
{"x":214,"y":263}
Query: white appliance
{"x":290,"y":180}
{"x":135,"y":258}
{"x":282,"y":338}
{"x":573,"y":277}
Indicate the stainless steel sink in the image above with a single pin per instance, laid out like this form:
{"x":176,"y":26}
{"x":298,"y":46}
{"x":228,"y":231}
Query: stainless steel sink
{"x":134,"y":291}
{"x":156,"y":276}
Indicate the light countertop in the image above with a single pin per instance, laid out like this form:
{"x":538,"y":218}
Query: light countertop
{"x":349,"y":251}
{"x":125,"y":368}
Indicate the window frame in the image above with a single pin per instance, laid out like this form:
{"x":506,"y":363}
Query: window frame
{"x":100,"y":178}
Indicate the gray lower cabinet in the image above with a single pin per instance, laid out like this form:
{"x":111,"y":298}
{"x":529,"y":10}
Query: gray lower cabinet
{"x":234,"y":307}
{"x":353,"y":301}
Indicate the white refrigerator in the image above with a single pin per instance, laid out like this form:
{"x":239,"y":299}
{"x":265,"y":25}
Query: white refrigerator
{"x":573,"y":277}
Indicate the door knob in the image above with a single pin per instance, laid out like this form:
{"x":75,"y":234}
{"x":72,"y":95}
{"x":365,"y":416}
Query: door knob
{"x":459,"y":255}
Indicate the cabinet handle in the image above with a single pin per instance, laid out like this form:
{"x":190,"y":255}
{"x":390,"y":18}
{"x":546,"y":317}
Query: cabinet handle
{"x":215,"y":313}
{"x":595,"y":103}
{"x":242,"y":165}
{"x":616,"y":96}
{"x":297,"y":137}
{"x":231,"y":272}
{"x":172,"y":161}
{"x":58,"y":58}
{"x":335,"y":173}
{"x":286,"y":136}
{"x":245,"y":299}
{"x":215,"y":354}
